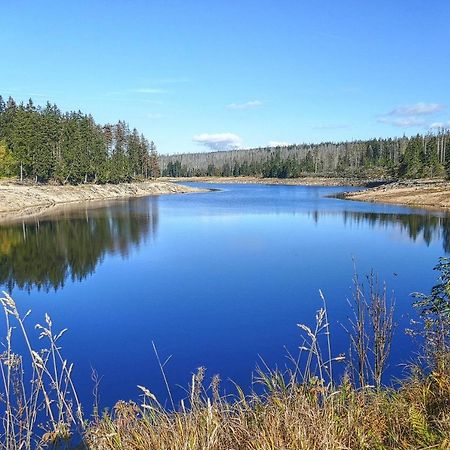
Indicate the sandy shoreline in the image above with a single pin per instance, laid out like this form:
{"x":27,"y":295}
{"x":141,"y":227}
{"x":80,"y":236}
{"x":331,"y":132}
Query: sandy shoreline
{"x":431,"y":194}
{"x":26,"y":200}
{"x":19,"y":201}
{"x":306,"y":181}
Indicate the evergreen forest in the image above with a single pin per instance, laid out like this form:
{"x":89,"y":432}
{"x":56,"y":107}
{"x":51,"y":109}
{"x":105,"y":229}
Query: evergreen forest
{"x":43,"y":144}
{"x":420,"y":156}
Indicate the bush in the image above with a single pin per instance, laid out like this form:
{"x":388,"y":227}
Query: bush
{"x":8,"y":164}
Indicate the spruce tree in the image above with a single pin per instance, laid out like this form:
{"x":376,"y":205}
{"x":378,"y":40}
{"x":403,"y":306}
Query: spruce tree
{"x":154,"y":171}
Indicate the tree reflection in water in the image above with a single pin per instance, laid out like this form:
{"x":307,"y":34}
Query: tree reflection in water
{"x":426,"y":226}
{"x":44,"y":252}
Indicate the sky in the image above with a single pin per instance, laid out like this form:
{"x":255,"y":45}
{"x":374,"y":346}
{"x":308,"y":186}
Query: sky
{"x":201,"y":75}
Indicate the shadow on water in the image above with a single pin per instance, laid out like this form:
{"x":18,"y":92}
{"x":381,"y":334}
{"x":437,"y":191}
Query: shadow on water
{"x":44,"y":252}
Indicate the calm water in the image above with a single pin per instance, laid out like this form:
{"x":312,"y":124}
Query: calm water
{"x":215,"y":279}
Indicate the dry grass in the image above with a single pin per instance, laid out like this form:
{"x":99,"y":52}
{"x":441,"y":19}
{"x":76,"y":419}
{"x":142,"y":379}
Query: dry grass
{"x":302,"y":408}
{"x":297,"y":416}
{"x":39,"y":406}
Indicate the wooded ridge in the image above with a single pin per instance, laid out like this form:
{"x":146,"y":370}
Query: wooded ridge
{"x":421,"y":156}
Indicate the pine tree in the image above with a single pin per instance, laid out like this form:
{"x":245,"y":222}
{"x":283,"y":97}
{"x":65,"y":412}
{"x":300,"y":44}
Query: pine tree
{"x":71,"y":147}
{"x":412,"y":161}
{"x":154,"y":171}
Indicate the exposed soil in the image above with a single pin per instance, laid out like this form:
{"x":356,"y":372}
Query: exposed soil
{"x":418,"y":193}
{"x":22,"y":200}
{"x":305,"y":181}
{"x":433,"y":193}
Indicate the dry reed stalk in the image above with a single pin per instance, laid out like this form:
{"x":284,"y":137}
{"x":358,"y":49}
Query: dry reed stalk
{"x":47,"y":409}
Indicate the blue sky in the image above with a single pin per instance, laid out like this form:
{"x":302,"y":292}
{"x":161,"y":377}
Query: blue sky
{"x":195,"y":75}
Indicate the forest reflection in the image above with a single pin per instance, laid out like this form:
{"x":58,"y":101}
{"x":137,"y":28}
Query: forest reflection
{"x":427,"y":227}
{"x":44,"y":253}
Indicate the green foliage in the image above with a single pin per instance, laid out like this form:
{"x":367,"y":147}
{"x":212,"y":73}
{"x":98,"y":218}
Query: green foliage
{"x":434,"y":309}
{"x":412,"y":160}
{"x":421,"y":158}
{"x":417,"y":157}
{"x":8,"y":164}
{"x":71,"y":148}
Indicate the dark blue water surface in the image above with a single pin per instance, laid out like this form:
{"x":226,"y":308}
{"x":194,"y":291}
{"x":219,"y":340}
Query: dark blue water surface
{"x":214,"y":279}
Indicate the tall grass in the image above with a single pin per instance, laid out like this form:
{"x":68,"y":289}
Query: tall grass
{"x":39,"y":403}
{"x":291,"y":414}
{"x":371,"y":331}
{"x":304,"y":407}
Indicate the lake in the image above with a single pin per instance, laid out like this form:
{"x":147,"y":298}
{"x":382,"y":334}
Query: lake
{"x":216,"y":279}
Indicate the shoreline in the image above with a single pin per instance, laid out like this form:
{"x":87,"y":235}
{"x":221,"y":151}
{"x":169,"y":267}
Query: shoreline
{"x":21,"y":201}
{"x":426,"y":194}
{"x":433,"y":194}
{"x":304,"y":181}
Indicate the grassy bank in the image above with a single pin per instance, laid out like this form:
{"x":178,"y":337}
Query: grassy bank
{"x":305,"y":407}
{"x":294,"y":416}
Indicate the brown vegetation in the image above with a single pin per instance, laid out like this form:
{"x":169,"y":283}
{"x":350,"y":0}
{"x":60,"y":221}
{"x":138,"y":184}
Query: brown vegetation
{"x":302,"y":408}
{"x":309,"y":416}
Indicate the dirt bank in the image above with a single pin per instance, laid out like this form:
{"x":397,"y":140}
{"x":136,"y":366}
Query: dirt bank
{"x":23,"y":200}
{"x":418,"y":193}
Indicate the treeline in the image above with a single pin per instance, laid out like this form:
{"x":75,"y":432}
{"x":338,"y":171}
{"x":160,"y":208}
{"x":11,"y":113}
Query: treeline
{"x":44,"y":144}
{"x":421,"y":156}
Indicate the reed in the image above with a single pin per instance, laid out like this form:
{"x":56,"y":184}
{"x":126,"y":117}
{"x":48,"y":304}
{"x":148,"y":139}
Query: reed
{"x":39,"y":403}
{"x":303,"y":407}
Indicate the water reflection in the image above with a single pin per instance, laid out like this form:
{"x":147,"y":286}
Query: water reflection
{"x":427,"y":227}
{"x":47,"y":251}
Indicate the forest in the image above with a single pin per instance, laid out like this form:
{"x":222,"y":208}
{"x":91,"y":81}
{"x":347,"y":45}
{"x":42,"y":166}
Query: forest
{"x":44,"y":144}
{"x":421,"y":156}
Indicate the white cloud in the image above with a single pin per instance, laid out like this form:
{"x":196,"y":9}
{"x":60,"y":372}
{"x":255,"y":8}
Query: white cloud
{"x":402,"y":122}
{"x":247,"y":105}
{"x":412,"y":115}
{"x":279,"y":144}
{"x":418,"y":109}
{"x":439,"y":125}
{"x":219,"y":141}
